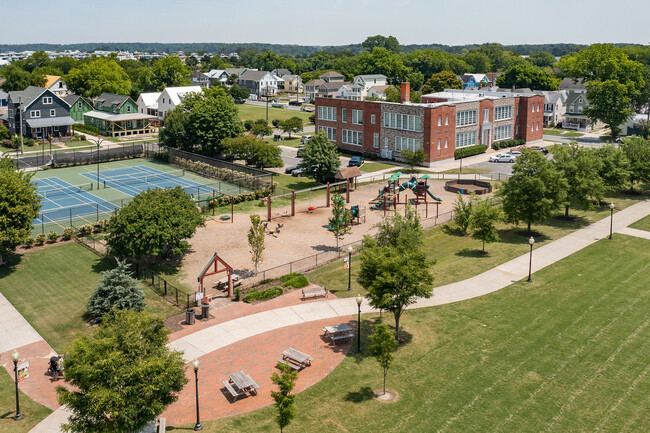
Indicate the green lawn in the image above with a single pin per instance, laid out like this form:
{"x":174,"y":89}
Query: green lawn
{"x":468,"y":171}
{"x":572,"y":134}
{"x":50,"y":288}
{"x":255,"y":112}
{"x":562,"y":132}
{"x":642,"y":224}
{"x":565,"y":353}
{"x":294,"y":141}
{"x":370,"y":167}
{"x":457,"y":257}
{"x":33,"y":412}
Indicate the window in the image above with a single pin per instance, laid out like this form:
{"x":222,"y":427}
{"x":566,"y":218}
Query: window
{"x":11,"y":113}
{"x":352,"y":137}
{"x":405,"y":143}
{"x":357,"y":117}
{"x":466,"y":118}
{"x":532,"y":128}
{"x":538,"y":108}
{"x":438,"y":144}
{"x":537,"y":127}
{"x":344,"y":115}
{"x":502,"y":113}
{"x":375,"y":140}
{"x":128,"y":108}
{"x":486,"y":115}
{"x":330,"y":132}
{"x":327,"y":113}
{"x":439,"y":121}
{"x":446,"y":120}
{"x":372,"y":119}
{"x":34,"y":114}
{"x":517,"y":110}
{"x":80,"y":105}
{"x":516,"y":129}
{"x":446,"y":142}
{"x":52,"y":112}
{"x":163,"y":100}
{"x":406,"y":122}
{"x":579,"y":108}
{"x":47,"y":100}
{"x":533,"y":107}
{"x":464,"y":139}
{"x":503,"y":132}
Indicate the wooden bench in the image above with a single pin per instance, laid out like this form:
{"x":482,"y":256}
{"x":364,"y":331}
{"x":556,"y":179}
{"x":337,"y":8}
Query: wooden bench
{"x":314,"y":292}
{"x":336,"y":338}
{"x":290,"y":364}
{"x":233,"y":392}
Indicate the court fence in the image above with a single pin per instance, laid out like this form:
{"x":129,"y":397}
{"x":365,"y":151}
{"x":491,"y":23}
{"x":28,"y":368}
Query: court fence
{"x":172,"y":294}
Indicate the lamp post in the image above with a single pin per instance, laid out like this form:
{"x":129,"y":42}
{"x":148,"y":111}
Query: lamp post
{"x":349,"y":269}
{"x":461,"y":160}
{"x":359,"y":299}
{"x":611,"y":220}
{"x":195,"y":365}
{"x":14,"y":358}
{"x":98,"y":141}
{"x":531,"y":242}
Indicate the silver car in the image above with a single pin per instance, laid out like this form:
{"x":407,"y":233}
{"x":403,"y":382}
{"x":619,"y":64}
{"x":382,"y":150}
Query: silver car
{"x":502,"y":157}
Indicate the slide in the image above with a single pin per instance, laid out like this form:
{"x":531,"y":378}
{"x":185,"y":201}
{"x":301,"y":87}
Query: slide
{"x":410,"y":184}
{"x":432,"y":196}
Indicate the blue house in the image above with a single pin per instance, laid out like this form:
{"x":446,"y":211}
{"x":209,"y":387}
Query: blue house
{"x":473,"y":81}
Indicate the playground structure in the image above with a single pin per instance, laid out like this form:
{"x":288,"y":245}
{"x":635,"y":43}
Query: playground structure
{"x":465,"y":186}
{"x":389,"y":194}
{"x":212,"y":201}
{"x":206,"y":272}
{"x":346,"y":184}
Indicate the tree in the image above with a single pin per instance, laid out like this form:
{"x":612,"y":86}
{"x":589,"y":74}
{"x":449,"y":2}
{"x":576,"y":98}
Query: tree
{"x":320,"y":158}
{"x":97,"y":76}
{"x":19,"y":206}
{"x":293,"y":124}
{"x":284,"y":402}
{"x":256,"y":240}
{"x":542,"y":59}
{"x":341,"y":219}
{"x":17,"y":78}
{"x":154,"y":224}
{"x":174,"y":133}
{"x":527,"y":75}
{"x":382,"y":61}
{"x":265,"y":155}
{"x":580,"y":168}
{"x":395,"y":272}
{"x":382,"y":348}
{"x":117,"y":289}
{"x":169,"y":71}
{"x":637,"y":151}
{"x":261,"y":128}
{"x":483,"y":222}
{"x":441,"y":81}
{"x":609,"y":102}
{"x":232,"y":79}
{"x":239,"y":93}
{"x":413,"y":158}
{"x":614,"y":167}
{"x":463,"y":211}
{"x":478,"y":62}
{"x":534,"y":191}
{"x":390,"y":43}
{"x":123,"y":376}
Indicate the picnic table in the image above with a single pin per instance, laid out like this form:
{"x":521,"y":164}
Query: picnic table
{"x":338,"y":332}
{"x":242,"y":382}
{"x":235,"y":281}
{"x":295,"y":359}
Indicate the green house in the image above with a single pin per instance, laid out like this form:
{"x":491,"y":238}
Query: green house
{"x":78,"y":106}
{"x":117,"y":116}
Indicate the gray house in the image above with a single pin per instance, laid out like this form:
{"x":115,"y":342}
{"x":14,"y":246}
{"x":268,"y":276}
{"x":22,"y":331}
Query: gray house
{"x":554,"y":106}
{"x":42,"y":113}
{"x":260,"y":83}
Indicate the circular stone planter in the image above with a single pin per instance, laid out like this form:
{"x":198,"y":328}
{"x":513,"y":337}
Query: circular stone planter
{"x":465,"y":186}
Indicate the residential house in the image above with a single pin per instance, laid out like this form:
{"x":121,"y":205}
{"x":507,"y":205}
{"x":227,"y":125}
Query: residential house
{"x":368,"y":81}
{"x":554,"y":106}
{"x":41,"y":112}
{"x":293,"y":83}
{"x":200,"y":79}
{"x":377,"y":92}
{"x":574,"y":117}
{"x":281,"y":72}
{"x":172,"y":97}
{"x":332,"y":77}
{"x":4,"y":101}
{"x":78,"y":106}
{"x":571,"y":85}
{"x":473,"y":81}
{"x":353,"y":92}
{"x":117,"y":116}
{"x":56,"y":85}
{"x":492,"y":78}
{"x":330,"y":89}
{"x":218,"y":76}
{"x":237,"y":71}
{"x":259,"y":83}
{"x":311,"y":88}
{"x":148,"y":103}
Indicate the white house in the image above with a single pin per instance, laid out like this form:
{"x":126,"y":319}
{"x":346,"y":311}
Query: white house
{"x":368,"y":81}
{"x":172,"y":97}
{"x":218,"y":76}
{"x":260,"y":83}
{"x":350,"y":91}
{"x":148,"y":103}
{"x":377,"y":92}
{"x":56,"y":85}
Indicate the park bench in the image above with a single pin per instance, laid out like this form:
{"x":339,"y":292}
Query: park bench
{"x":336,"y":338}
{"x":233,"y":392}
{"x":314,"y":292}
{"x":290,"y":364}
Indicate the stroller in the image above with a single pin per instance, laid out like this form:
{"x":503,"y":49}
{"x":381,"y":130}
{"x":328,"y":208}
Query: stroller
{"x":55,"y":367}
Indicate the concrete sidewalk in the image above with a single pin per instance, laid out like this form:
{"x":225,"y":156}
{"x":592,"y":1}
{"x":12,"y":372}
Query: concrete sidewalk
{"x":218,"y":336}
{"x":15,"y":331}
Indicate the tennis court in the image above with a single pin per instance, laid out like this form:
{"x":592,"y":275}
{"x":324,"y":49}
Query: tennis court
{"x":62,"y":201}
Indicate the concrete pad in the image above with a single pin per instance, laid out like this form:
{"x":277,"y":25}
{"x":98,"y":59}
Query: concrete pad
{"x":15,"y":330}
{"x":189,"y":351}
{"x":635,"y":232}
{"x":53,"y":422}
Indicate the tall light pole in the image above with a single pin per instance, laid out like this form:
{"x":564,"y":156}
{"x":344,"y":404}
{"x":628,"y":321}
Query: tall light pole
{"x":611,"y":220}
{"x":350,"y":269}
{"x":98,"y":141}
{"x":531,"y":242}
{"x":195,"y":366}
{"x":359,"y":300}
{"x":14,"y":358}
{"x":20,"y":108}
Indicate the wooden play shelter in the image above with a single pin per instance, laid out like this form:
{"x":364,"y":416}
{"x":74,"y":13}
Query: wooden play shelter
{"x":214,"y":263}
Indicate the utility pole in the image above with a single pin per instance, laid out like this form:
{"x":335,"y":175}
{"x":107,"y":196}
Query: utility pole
{"x":20,"y":108}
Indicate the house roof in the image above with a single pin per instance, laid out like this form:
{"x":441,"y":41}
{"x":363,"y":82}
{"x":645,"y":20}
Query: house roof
{"x":331,"y":74}
{"x":236,"y":71}
{"x":372,"y":77}
{"x":380,"y":89}
{"x":48,"y":122}
{"x":71,"y":98}
{"x":491,"y":76}
{"x":315,"y":82}
{"x":199,"y":74}
{"x":177,"y":93}
{"x":215,"y":73}
{"x":551,"y":96}
{"x":50,"y":80}
{"x":572,"y":98}
{"x":103,"y":115}
{"x":572,"y":84}
{"x":253,"y":75}
{"x":282,"y":72}
{"x":150,"y":99}
{"x":332,"y":86}
{"x":111,"y":99}
{"x":29,"y":95}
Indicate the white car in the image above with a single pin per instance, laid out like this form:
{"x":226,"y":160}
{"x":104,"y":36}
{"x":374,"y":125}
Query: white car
{"x":502,"y":157}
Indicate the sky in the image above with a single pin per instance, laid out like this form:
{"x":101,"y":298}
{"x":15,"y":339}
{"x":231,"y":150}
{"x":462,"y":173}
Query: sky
{"x":337,"y":22}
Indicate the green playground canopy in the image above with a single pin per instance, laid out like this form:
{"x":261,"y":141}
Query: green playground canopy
{"x":426,"y":176}
{"x":395,"y":176}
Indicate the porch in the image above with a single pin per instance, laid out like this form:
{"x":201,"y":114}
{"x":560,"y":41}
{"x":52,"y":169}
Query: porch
{"x":121,"y":125}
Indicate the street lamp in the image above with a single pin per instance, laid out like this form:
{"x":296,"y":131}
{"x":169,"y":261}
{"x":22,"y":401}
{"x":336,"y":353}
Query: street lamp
{"x":531,"y":242}
{"x":611,"y":220}
{"x":98,"y":141}
{"x":14,"y":358}
{"x":349,"y":268}
{"x":359,"y":299}
{"x":195,"y":365}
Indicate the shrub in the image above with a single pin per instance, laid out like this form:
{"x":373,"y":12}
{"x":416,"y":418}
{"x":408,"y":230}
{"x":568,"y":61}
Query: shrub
{"x":294,"y":280}
{"x":275,"y":122}
{"x":29,"y":242}
{"x":507,"y":143}
{"x":4,"y":132}
{"x":85,"y":229}
{"x":88,"y":129}
{"x":98,"y":226}
{"x":312,"y":118}
{"x":82,"y":137}
{"x":470,"y":151}
{"x":248,"y":124}
{"x":261,"y":122}
{"x":40,"y":239}
{"x":52,"y":236}
{"x":263,"y":295}
{"x":266,"y":280}
{"x":68,"y":232}
{"x":237,"y":294}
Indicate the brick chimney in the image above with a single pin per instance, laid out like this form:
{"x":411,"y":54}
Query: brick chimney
{"x":405,"y":92}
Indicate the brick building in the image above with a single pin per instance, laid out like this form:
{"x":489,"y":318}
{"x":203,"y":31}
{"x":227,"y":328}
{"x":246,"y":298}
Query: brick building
{"x":441,"y":123}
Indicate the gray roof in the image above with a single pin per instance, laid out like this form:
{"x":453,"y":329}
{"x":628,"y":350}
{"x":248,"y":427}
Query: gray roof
{"x":199,"y":74}
{"x":282,"y":72}
{"x":315,"y":82}
{"x":571,"y":99}
{"x":522,"y":90}
{"x":48,"y":122}
{"x":551,"y":96}
{"x":111,"y":99}
{"x":29,"y":95}
{"x":372,"y":77}
{"x":331,"y":74}
{"x":572,"y":84}
{"x":236,"y":71}
{"x":253,"y":75}
{"x":333,"y":86}
{"x":103,"y":115}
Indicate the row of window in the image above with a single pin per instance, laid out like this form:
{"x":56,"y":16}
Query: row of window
{"x":357,"y":117}
{"x":406,"y":143}
{"x":464,"y":139}
{"x":468,"y":117}
{"x":502,"y":113}
{"x":327,"y":113}
{"x":35,"y":114}
{"x":330,"y":132}
{"x":352,"y":137}
{"x":406,"y":122}
{"x":502,"y":132}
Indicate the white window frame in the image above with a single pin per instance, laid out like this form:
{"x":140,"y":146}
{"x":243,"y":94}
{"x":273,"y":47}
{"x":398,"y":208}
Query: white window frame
{"x":52,"y":112}
{"x":407,"y":143}
{"x":503,"y":113}
{"x":329,"y":131}
{"x":439,"y":121}
{"x":372,"y":119}
{"x":438,"y":144}
{"x":446,"y":143}
{"x":80,"y":105}
{"x":375,"y":140}
{"x":467,"y":117}
{"x":465,"y":139}
{"x":35,"y":114}
{"x":405,"y":122}
{"x":503,"y":132}
{"x":486,"y":115}
{"x":327,"y":113}
{"x":447,"y":121}
{"x":357,"y":117}
{"x":128,"y":108}
{"x":47,"y":100}
{"x":344,"y":115}
{"x":354,"y":138}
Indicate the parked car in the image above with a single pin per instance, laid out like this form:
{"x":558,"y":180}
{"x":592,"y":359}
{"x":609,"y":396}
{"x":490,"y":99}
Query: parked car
{"x":355,"y":161}
{"x":305,"y":138}
{"x":300,"y":150}
{"x":539,"y":149}
{"x":308,"y":109}
{"x":514,"y":152}
{"x":502,"y":157}
{"x":297,"y":172}
{"x":295,"y":103}
{"x":291,"y":168}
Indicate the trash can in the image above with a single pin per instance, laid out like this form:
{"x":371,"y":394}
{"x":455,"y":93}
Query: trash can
{"x":276,"y":137}
{"x":205,"y":311}
{"x":189,"y":316}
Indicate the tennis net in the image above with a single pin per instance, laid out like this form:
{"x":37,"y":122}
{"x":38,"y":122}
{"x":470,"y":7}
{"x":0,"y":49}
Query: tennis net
{"x":135,"y":179}
{"x":50,"y":191}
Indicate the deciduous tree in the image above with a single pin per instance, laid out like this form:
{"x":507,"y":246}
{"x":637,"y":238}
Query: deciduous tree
{"x":174,"y":132}
{"x":483,"y":222}
{"x":614,"y":167}
{"x":637,"y":151}
{"x":463,"y":211}
{"x":320,"y":158}
{"x":256,"y":240}
{"x":390,"y":43}
{"x":97,"y":76}
{"x":291,"y":125}
{"x":340,"y":223}
{"x":527,"y":75}
{"x":441,"y":81}
{"x":169,"y":71}
{"x":383,"y":348}
{"x":413,"y":158}
{"x":285,"y":403}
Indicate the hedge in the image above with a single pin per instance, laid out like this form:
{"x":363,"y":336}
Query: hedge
{"x":88,"y":129}
{"x":263,"y":295}
{"x":470,"y":151}
{"x":224,"y":174}
{"x":294,"y":280}
{"x":507,"y":143}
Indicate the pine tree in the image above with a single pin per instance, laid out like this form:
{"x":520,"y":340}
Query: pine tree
{"x":117,"y":289}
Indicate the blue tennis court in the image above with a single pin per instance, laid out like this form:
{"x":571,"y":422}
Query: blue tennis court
{"x":63,"y":201}
{"x":135,"y":179}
